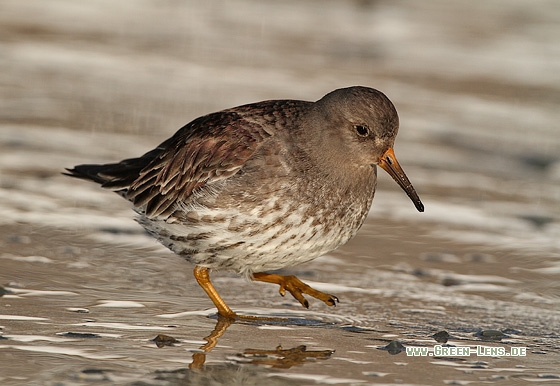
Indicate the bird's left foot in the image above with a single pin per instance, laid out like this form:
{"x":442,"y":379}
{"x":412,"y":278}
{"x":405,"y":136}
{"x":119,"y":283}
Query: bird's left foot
{"x":296,"y":287}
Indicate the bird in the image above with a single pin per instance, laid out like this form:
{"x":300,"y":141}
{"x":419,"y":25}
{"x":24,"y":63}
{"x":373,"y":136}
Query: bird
{"x":263,"y":186}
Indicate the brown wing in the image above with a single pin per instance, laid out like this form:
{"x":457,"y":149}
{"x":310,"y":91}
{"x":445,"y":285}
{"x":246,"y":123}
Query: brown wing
{"x":208,"y":149}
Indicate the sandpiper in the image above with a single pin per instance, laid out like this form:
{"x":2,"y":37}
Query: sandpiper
{"x":263,"y":186}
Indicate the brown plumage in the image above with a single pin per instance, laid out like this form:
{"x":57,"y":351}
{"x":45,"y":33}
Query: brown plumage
{"x":263,"y":186}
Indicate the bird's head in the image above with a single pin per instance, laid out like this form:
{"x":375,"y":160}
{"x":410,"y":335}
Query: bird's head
{"x":363,"y":123}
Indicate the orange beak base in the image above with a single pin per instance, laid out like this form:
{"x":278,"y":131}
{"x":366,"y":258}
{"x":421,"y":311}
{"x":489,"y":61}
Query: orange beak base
{"x":390,"y":164}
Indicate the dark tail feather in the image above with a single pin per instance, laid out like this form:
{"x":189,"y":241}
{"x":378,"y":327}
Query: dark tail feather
{"x":112,"y":176}
{"x":117,"y":176}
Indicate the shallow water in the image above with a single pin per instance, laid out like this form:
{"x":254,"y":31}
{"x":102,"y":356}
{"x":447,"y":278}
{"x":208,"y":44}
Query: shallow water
{"x":85,"y":290}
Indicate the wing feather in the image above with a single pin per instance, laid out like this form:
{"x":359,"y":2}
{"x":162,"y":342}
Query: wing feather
{"x":207,"y":150}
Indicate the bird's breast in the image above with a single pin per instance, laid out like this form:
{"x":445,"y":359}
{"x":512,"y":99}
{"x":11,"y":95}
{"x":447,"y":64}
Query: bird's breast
{"x":276,"y":223}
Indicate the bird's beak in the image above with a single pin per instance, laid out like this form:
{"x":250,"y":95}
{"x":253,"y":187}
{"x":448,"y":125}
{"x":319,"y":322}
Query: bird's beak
{"x":390,"y":164}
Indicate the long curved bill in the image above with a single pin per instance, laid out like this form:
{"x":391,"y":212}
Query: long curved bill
{"x":390,"y":164}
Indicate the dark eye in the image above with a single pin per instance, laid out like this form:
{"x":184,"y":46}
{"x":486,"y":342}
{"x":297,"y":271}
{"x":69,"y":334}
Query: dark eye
{"x":362,"y":130}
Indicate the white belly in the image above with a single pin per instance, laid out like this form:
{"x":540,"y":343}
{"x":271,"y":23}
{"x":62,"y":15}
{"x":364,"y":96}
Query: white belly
{"x":272,"y":235}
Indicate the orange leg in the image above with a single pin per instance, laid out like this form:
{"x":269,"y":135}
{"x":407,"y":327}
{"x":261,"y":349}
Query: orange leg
{"x":203,"y":278}
{"x":296,"y":287}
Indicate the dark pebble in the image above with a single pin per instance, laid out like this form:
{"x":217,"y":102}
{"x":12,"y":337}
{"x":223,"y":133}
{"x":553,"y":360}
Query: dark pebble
{"x":164,"y":340}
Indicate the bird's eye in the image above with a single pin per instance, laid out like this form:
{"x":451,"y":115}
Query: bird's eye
{"x":362,"y":130}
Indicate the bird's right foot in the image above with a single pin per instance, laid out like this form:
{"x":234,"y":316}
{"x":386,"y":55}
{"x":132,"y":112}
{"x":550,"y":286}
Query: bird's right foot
{"x":296,"y":287}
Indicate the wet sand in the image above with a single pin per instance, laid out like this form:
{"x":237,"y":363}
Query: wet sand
{"x":85,"y":290}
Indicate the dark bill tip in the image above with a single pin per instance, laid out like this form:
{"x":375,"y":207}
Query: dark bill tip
{"x":418,"y":204}
{"x":390,"y":164}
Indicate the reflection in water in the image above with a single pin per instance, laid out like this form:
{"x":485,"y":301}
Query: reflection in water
{"x":277,"y":358}
{"x":285,"y":358}
{"x":211,"y":341}
{"x":233,"y":374}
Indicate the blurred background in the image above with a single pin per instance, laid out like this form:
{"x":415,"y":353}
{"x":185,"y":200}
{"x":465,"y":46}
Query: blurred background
{"x":477,"y":88}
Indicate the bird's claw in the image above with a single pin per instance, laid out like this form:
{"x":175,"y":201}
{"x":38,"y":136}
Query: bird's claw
{"x":332,"y":300}
{"x":296,"y":288}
